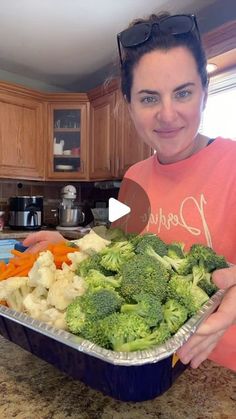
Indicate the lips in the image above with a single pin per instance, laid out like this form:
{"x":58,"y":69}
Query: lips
{"x":170,"y":132}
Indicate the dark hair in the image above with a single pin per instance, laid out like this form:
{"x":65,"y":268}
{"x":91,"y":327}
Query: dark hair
{"x":158,"y":41}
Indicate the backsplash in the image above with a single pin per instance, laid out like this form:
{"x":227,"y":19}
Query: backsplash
{"x":89,"y":192}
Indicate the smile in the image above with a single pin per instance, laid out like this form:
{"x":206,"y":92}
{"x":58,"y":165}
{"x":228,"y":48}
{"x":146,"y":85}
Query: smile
{"x":168,"y":133}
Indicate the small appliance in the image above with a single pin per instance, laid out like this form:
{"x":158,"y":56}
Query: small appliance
{"x":69,"y":212}
{"x":26,"y":212}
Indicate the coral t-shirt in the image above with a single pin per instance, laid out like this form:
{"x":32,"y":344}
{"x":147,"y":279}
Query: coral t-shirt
{"x":193,"y":201}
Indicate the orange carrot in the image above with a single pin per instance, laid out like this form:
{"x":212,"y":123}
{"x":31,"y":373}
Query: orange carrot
{"x":22,"y":262}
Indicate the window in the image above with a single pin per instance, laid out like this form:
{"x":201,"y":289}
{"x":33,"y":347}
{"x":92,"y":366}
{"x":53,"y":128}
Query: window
{"x":219,"y":117}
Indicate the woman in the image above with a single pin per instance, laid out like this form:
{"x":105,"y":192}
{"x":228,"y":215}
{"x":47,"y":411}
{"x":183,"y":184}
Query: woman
{"x":190,"y":177}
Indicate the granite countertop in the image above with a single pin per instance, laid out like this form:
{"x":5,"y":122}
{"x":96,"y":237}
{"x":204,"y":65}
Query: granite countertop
{"x":8,"y":233}
{"x":32,"y":389}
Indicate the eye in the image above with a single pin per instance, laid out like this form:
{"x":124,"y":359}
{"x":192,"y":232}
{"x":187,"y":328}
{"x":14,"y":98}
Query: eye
{"x":149,"y":99}
{"x":183,"y":94}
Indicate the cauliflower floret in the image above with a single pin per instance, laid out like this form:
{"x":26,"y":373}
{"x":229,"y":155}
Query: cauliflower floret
{"x":92,"y":241}
{"x":13,"y":291}
{"x":43,"y":271}
{"x":66,"y":287}
{"x":75,"y":258}
{"x":35,"y":305}
{"x":54,"y":317}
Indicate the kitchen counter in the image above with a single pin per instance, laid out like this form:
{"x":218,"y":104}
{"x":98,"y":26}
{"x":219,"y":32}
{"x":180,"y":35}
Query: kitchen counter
{"x":32,"y":389}
{"x":8,"y":233}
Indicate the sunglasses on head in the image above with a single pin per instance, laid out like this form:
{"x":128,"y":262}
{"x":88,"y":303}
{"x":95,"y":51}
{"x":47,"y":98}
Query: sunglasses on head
{"x":171,"y":25}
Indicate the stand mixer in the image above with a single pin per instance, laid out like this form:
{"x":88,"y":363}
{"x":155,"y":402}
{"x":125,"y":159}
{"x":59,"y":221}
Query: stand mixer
{"x":70,"y":214}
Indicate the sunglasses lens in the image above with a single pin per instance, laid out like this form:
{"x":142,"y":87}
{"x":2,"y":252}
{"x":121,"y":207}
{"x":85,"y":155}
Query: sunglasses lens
{"x":176,"y":25}
{"x":135,"y":35}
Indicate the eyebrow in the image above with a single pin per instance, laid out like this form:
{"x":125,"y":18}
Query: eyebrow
{"x":155,"y":92}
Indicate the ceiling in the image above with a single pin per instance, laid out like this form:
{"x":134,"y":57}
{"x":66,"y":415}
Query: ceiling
{"x":72,"y":43}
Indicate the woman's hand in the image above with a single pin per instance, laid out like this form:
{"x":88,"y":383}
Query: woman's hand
{"x":202,"y":343}
{"x":37,"y":242}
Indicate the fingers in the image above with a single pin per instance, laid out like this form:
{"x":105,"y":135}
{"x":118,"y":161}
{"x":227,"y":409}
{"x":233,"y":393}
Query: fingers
{"x":225,"y":278}
{"x":201,"y":344}
{"x":33,"y":238}
{"x":43,"y":236}
{"x":38,"y":247}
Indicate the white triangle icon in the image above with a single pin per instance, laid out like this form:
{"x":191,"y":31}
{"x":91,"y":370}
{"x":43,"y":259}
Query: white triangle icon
{"x":117,"y":209}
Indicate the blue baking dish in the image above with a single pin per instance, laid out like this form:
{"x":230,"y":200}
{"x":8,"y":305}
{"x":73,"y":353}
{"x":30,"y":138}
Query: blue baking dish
{"x":126,"y":376}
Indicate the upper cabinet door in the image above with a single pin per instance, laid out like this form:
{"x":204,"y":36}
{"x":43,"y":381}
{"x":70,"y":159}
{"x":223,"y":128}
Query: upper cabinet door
{"x":130,"y":148}
{"x":68,"y":137}
{"x":102,"y":141}
{"x":21,"y":137}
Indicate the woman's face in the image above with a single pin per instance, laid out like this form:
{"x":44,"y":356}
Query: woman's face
{"x":167,"y":100}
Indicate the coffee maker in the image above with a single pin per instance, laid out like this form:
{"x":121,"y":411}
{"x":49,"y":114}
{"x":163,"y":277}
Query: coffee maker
{"x":26,"y":212}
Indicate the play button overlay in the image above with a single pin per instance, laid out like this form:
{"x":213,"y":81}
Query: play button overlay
{"x":117,"y":210}
{"x":131,"y":211}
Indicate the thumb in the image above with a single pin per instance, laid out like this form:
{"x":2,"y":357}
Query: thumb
{"x":224,"y":278}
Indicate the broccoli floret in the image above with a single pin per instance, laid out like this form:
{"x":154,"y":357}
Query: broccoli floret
{"x":202,"y":278}
{"x":183,"y":266}
{"x":120,"y":328}
{"x":96,"y":279}
{"x":175,"y":315}
{"x":91,"y":306}
{"x":176,"y":250}
{"x":153,"y":241}
{"x":111,"y":234}
{"x":115,"y":255}
{"x":186,"y":293}
{"x":158,"y":336}
{"x":207,"y":257}
{"x":92,"y":331}
{"x":92,"y":262}
{"x":143,"y":274}
{"x":153,"y":246}
{"x":147,"y":306}
{"x":75,"y":316}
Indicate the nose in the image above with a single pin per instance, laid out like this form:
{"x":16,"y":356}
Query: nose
{"x":167,"y":112}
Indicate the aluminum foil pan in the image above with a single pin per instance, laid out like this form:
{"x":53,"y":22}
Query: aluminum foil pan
{"x":118,"y":358}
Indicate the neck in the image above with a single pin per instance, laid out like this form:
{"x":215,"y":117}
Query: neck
{"x":198,"y":144}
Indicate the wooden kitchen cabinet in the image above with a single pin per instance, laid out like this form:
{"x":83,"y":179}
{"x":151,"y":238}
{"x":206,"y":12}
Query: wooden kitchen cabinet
{"x":102,"y":141}
{"x":114,"y":144}
{"x":130,"y":148}
{"x":68,"y":134}
{"x":21,"y":133}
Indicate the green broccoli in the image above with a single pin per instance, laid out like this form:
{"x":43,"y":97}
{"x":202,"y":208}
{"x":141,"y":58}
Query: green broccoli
{"x":111,"y":234}
{"x":172,"y":256}
{"x":143,"y":274}
{"x":186,"y":293}
{"x":116,"y":254}
{"x":151,"y":240}
{"x":206,"y":256}
{"x":202,"y":278}
{"x":91,"y":306}
{"x":96,"y":279}
{"x":156,"y":337}
{"x":120,"y":328}
{"x":92,"y":262}
{"x":175,"y":315}
{"x":176,"y":250}
{"x":147,"y":306}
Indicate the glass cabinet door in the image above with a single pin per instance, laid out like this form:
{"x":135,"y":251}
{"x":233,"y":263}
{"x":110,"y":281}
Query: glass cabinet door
{"x":67,"y":141}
